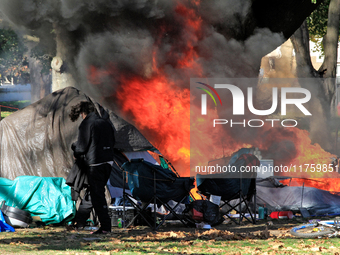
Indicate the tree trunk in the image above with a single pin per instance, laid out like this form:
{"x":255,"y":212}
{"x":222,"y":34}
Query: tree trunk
{"x":323,"y":88}
{"x":330,"y":43}
{"x":300,"y":41}
{"x":311,"y":80}
{"x":40,"y":83}
{"x":61,"y":73}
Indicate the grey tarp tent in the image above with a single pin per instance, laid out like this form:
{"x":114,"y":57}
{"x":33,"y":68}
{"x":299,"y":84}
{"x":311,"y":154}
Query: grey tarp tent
{"x":36,"y":145}
{"x":278,"y":197}
{"x":37,"y":139}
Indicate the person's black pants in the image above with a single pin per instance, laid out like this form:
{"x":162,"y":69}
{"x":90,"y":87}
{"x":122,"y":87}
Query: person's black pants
{"x":95,"y":197}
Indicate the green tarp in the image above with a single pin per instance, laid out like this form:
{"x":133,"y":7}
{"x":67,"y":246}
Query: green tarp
{"x":46,"y":197}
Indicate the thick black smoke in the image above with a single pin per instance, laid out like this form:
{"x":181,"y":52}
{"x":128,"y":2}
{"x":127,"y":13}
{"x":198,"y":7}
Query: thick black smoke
{"x":103,"y":42}
{"x":122,"y":37}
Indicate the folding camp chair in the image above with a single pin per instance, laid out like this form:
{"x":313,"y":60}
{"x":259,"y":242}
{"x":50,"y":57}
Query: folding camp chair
{"x":237,"y":192}
{"x":153,"y":184}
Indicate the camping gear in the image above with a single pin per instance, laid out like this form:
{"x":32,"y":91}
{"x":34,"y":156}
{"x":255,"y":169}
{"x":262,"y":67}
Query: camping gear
{"x":304,"y":212}
{"x":46,"y":197}
{"x":117,"y":212}
{"x":209,"y":211}
{"x":261,"y":213}
{"x":278,"y":197}
{"x":317,"y":228}
{"x":215,"y":199}
{"x":282,"y":215}
{"x":36,"y":141}
{"x":237,"y":192}
{"x":197,"y":215}
{"x":151,"y":183}
{"x":4,"y":226}
{"x":14,"y":216}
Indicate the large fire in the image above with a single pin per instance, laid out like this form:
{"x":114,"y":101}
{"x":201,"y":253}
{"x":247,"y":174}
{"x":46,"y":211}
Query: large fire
{"x":159,"y":105}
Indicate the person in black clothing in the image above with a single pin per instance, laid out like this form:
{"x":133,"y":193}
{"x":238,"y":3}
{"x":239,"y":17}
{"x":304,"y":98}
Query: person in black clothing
{"x":95,"y":145}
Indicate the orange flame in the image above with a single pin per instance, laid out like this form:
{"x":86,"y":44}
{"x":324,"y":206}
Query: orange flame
{"x":159,"y":107}
{"x":157,"y":104}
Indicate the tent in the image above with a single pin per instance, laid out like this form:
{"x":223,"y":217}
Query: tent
{"x":270,"y":192}
{"x":279,"y":197}
{"x":36,"y":141}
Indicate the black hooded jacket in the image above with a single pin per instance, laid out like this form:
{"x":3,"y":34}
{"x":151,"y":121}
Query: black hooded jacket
{"x":95,"y":140}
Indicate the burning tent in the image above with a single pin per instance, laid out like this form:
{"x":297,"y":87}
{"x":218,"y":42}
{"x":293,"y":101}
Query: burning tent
{"x":278,"y":197}
{"x":319,"y":196}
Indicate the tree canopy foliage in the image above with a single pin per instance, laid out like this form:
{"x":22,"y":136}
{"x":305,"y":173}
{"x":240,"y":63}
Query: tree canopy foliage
{"x":317,"y":25}
{"x":317,"y":21}
{"x":13,"y":58}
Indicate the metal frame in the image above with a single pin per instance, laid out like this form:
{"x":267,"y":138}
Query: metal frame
{"x":141,"y":210}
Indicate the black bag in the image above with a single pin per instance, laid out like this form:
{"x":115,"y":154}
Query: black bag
{"x":211,"y":211}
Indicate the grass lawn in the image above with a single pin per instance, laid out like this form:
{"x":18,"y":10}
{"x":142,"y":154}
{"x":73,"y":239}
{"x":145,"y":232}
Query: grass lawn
{"x":15,"y":104}
{"x":171,"y":239}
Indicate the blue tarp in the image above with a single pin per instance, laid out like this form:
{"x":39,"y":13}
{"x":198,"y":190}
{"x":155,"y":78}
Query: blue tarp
{"x":46,"y":197}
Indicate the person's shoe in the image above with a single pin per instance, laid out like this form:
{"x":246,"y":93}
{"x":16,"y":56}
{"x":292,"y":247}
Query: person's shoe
{"x":100,"y":231}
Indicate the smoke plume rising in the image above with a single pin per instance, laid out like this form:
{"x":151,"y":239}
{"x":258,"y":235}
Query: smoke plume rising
{"x":137,"y":57}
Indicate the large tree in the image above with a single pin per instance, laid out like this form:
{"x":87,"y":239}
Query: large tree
{"x":13,"y":58}
{"x":324,"y":23}
{"x":24,"y":59}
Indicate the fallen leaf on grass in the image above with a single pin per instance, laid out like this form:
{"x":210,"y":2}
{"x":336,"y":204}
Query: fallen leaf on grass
{"x":102,"y":253}
{"x":284,"y":235}
{"x":283,"y":229}
{"x":173,"y":234}
{"x":139,"y":238}
{"x":276,"y":247}
{"x":187,"y":243}
{"x":275,"y":242}
{"x":318,"y":248}
{"x":115,"y":250}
